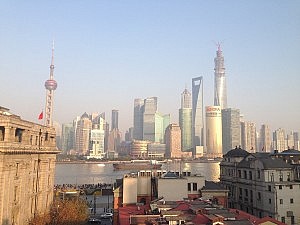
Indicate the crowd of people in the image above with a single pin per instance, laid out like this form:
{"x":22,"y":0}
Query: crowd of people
{"x":81,"y":187}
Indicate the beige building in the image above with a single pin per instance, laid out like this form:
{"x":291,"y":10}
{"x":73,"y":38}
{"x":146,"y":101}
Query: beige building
{"x":28,"y":153}
{"x":84,"y":126}
{"x":213,"y":131}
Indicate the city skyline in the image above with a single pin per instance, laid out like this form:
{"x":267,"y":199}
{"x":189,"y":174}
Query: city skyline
{"x":127,"y":51}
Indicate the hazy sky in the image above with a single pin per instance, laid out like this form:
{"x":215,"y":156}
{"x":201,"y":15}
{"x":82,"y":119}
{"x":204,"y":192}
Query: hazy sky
{"x":107,"y":53}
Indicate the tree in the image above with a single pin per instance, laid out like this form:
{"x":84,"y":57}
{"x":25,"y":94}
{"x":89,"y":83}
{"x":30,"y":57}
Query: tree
{"x":64,"y":212}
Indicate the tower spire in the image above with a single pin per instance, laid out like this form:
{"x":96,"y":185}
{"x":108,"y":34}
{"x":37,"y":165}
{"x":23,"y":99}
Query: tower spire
{"x":50,"y":86}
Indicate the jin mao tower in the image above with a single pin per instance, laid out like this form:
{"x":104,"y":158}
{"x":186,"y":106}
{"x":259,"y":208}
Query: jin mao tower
{"x":50,"y":86}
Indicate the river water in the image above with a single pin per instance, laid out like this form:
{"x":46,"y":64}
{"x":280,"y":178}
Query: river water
{"x":89,"y":173}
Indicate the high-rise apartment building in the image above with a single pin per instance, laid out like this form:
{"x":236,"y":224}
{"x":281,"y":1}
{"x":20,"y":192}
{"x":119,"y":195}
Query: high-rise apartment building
{"x":173,"y":141}
{"x":231,"y":129}
{"x":197,"y":108}
{"x":213,"y":131}
{"x":220,"y":98}
{"x":296,"y":141}
{"x":185,"y":121}
{"x":248,"y":136}
{"x":68,"y":137}
{"x":138,"y":119}
{"x":279,"y":142}
{"x":83,"y":129}
{"x":265,"y":139}
{"x":114,"y":119}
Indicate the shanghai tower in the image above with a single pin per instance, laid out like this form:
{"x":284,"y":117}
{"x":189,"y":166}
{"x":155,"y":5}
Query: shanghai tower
{"x":220,"y":98}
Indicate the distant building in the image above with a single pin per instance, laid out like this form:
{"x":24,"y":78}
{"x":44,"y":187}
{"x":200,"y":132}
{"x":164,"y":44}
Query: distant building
{"x":262,"y":184}
{"x":28,"y":153}
{"x":83,"y":129}
{"x":68,"y":137}
{"x":138,"y":119}
{"x":197,"y":107}
{"x":114,"y":142}
{"x":265,"y":144}
{"x":220,"y":98}
{"x":96,"y":148}
{"x":139,"y":149}
{"x":129,"y":134}
{"x":114,"y":119}
{"x":279,"y":141}
{"x":213,"y":131}
{"x":186,"y":121}
{"x":248,"y":136}
{"x":231,"y":129}
{"x":156,"y":150}
{"x":173,"y":141}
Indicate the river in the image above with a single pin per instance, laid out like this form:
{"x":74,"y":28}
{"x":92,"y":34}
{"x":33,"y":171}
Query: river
{"x":92,"y":173}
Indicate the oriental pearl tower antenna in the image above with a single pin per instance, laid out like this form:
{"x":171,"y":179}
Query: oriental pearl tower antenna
{"x":50,"y":86}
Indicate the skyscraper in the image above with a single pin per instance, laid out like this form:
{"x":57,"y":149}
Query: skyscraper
{"x":220,"y":98}
{"x":50,"y":86}
{"x":265,"y":139}
{"x":248,"y":136}
{"x":279,"y":143}
{"x":114,"y":119}
{"x":213,"y":131}
{"x":68,"y":137}
{"x":185,"y":121}
{"x":150,"y":108}
{"x":173,"y":141}
{"x":138,"y":119}
{"x":83,"y":129}
{"x":197,"y":107}
{"x":231,"y":129}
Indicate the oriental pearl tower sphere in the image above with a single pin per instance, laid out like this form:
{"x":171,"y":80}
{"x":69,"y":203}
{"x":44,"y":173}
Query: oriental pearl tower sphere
{"x":50,"y":86}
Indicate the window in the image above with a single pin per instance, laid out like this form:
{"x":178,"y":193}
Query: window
{"x":189,"y":186}
{"x":269,"y":187}
{"x":291,"y":200}
{"x":250,"y":175}
{"x":281,"y":201}
{"x":272,"y":177}
{"x":280,"y":187}
{"x":280,"y":177}
{"x":258,"y":174}
{"x":194,"y":186}
{"x":258,"y":196}
{"x":245,"y":174}
{"x":240,"y":173}
{"x":283,"y":219}
{"x":288,"y":177}
{"x":270,"y":201}
{"x":291,"y":186}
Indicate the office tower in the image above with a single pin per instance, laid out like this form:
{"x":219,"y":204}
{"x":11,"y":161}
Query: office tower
{"x":129,"y":134}
{"x":173,"y":141}
{"x":149,"y":118}
{"x":161,"y":123}
{"x":213,"y":131}
{"x":114,"y":142}
{"x":138,"y":119}
{"x":248,"y":136}
{"x":50,"y":86}
{"x":220,"y":98}
{"x":114,"y":119}
{"x":279,"y":143}
{"x":83,"y":128}
{"x":231,"y":129}
{"x":197,"y":107}
{"x":296,"y":141}
{"x":96,"y":146}
{"x":67,"y":137}
{"x":185,"y":121}
{"x":265,"y":139}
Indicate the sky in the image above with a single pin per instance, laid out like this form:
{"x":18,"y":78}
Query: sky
{"x":107,"y":53}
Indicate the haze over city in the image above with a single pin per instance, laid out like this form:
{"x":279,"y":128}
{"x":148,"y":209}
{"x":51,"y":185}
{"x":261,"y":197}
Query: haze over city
{"x":107,"y":53}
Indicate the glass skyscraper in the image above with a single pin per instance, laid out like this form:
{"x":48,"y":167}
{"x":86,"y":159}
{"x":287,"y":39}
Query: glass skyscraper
{"x":138,"y":119}
{"x":114,"y":119}
{"x":197,"y":108}
{"x":220,"y":98}
{"x":185,"y":121}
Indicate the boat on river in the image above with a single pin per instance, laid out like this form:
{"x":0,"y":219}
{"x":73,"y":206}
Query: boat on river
{"x":137,"y":165}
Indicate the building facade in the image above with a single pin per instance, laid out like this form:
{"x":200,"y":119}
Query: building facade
{"x":28,"y":153}
{"x":231,"y":129}
{"x":265,"y":144}
{"x":197,"y":108}
{"x":213,"y":131}
{"x":261,"y":185}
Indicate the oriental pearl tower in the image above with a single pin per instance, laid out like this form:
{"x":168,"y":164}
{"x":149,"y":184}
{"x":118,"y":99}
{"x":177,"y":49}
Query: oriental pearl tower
{"x":50,"y":86}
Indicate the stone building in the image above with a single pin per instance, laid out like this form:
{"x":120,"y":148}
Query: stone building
{"x":262,"y":184}
{"x":27,"y":166}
